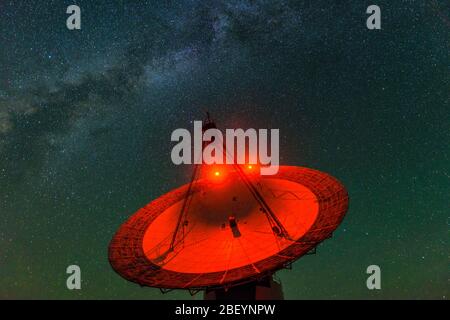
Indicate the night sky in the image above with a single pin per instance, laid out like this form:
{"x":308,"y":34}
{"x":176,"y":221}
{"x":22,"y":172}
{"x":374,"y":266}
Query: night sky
{"x":86,"y":118}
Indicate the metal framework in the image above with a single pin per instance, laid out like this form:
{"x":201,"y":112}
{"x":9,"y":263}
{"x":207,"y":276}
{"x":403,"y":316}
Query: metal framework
{"x":127,"y":257}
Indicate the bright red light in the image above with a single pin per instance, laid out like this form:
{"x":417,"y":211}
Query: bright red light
{"x":217,"y":173}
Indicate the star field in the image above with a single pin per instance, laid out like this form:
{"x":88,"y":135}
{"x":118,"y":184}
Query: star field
{"x":86,"y":118}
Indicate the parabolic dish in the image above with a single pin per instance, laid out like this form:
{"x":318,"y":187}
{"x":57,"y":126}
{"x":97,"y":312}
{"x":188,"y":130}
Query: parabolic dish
{"x":225,"y":236}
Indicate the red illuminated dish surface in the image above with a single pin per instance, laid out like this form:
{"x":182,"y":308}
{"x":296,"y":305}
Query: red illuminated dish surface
{"x":225,"y":236}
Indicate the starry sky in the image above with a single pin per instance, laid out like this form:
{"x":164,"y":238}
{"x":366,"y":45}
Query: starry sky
{"x":86,"y":118}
